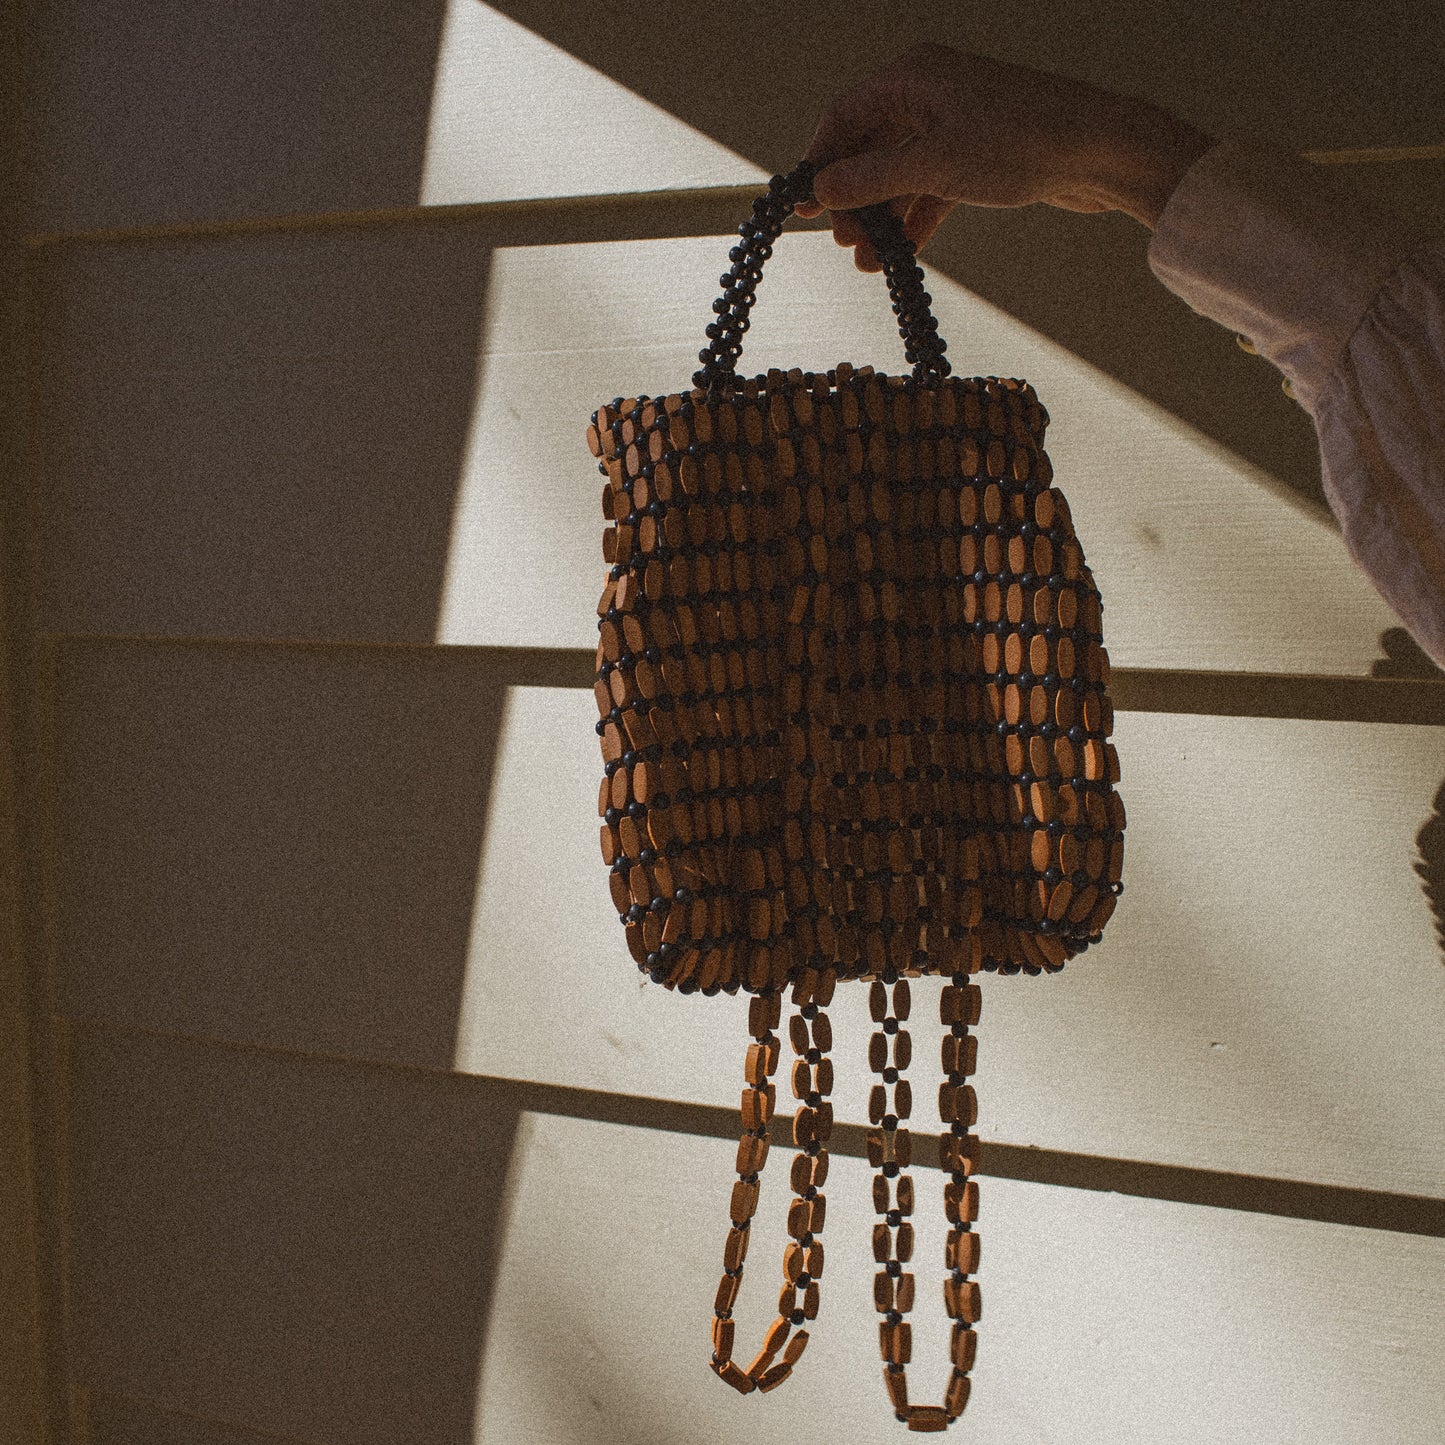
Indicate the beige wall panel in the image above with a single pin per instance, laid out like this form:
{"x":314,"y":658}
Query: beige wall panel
{"x":1186,"y":541}
{"x":514,"y":115}
{"x":390,"y":854}
{"x":304,"y":1247}
{"x":345,"y":1253}
{"x":376,"y":434}
{"x":1205,"y":1325}
{"x":158,"y":110}
{"x":1269,"y":990}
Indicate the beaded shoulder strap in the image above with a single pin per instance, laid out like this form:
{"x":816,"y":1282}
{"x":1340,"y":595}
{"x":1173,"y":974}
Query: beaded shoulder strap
{"x":811,"y":1036}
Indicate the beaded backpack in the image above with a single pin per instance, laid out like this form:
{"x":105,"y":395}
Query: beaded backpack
{"x":854,"y":720}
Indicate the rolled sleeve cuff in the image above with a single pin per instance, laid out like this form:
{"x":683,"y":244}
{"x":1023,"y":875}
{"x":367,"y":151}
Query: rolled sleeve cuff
{"x":1263,"y":242}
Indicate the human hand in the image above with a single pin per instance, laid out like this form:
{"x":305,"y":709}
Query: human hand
{"x":938,"y":127}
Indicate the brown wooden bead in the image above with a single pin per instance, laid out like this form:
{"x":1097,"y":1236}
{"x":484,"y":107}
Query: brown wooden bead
{"x":798,"y":1033}
{"x":960,"y":1202}
{"x":955,"y":1399}
{"x":962,"y":1251}
{"x":895,"y":1341}
{"x":960,"y":1005}
{"x":878,"y":1053}
{"x":927,"y":1419}
{"x":744,"y":1202}
{"x":963,"y":1348}
{"x":957,"y":1103}
{"x":727,"y":1293}
{"x":904,"y":1294}
{"x":795,"y":1256}
{"x":773,"y":1341}
{"x":757,"y":1107}
{"x":794,"y":1352}
{"x":902,"y":999}
{"x":800,"y":1218}
{"x":878,"y":1001}
{"x":960,"y":1053}
{"x":772,"y":1378}
{"x":723,"y":1332}
{"x":735,"y":1251}
{"x":896,"y":1383}
{"x":732,"y":1374}
{"x":882,"y":1291}
{"x":962,"y":1299}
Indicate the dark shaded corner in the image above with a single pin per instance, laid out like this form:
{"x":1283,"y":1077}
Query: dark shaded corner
{"x":303,"y":1248}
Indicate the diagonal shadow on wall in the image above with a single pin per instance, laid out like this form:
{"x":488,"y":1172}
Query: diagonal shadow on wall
{"x":1080,"y":280}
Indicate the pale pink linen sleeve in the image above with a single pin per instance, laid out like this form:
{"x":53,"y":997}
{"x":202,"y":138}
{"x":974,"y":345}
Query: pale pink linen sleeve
{"x":1350,"y":307}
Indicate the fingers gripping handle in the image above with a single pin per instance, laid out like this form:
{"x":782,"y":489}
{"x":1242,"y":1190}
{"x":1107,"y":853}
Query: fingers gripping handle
{"x":922,"y":344}
{"x":812,"y":1080}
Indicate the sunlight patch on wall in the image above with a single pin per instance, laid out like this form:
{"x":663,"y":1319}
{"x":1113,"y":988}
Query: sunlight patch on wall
{"x":514,"y":116}
{"x":1202,"y":562}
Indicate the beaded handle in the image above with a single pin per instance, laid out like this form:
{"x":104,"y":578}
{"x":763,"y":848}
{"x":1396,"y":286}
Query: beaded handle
{"x":812,"y":1079}
{"x":922,"y":344}
{"x":890,"y":1151}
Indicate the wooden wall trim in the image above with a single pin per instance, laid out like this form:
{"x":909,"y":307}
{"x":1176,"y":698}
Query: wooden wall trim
{"x":560,"y":220}
{"x":1300,"y":696}
{"x":549,"y":220}
{"x":1214,"y":1188}
{"x":1220,"y":1189}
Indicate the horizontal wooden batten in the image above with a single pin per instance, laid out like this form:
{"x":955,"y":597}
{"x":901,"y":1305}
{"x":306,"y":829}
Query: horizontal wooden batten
{"x":549,"y":220}
{"x":1280,"y":695}
{"x":425,"y":1257}
{"x":1189,"y":692}
{"x":443,"y":802}
{"x":1219,"y":1189}
{"x":558,"y":220}
{"x":997,"y":1159}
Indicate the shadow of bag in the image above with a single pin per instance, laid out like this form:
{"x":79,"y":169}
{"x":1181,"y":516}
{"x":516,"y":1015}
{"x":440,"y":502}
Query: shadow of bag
{"x":854,"y":713}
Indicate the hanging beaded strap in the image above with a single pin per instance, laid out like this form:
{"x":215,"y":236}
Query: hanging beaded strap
{"x":890,"y":1152}
{"x":922,"y":344}
{"x":812,"y":1080}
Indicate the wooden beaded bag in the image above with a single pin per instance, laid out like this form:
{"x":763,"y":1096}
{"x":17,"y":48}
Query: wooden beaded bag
{"x":854,"y":720}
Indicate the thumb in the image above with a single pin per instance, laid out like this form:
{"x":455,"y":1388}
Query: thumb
{"x":876,"y":175}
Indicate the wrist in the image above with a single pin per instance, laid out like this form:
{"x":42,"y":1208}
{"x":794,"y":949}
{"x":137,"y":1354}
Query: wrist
{"x":1139,"y":156}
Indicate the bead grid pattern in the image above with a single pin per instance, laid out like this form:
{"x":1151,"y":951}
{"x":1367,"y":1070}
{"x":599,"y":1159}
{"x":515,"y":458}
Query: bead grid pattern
{"x":851,"y":685}
{"x":853,"y":704}
{"x":812,"y":1081}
